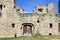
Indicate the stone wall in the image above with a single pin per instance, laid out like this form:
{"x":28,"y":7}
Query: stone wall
{"x":48,"y":8}
{"x":11,"y":22}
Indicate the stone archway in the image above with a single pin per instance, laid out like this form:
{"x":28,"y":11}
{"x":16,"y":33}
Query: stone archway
{"x":27,"y":28}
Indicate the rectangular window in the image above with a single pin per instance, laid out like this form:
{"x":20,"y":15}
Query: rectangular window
{"x":59,"y":24}
{"x":50,"y":33}
{"x":13,"y":25}
{"x":1,"y":7}
{"x":38,"y":21}
{"x":40,"y":10}
{"x":50,"y":25}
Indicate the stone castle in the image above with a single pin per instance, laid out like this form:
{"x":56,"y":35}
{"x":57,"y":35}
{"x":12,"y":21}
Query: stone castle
{"x":14,"y":22}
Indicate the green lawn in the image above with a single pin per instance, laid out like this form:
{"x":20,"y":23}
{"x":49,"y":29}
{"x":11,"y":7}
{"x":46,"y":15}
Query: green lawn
{"x":33,"y":38}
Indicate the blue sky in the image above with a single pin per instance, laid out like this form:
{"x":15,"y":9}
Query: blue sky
{"x":28,"y":5}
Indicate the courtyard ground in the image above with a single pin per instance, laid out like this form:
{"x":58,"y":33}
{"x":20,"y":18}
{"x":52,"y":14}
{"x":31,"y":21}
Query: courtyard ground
{"x":33,"y":38}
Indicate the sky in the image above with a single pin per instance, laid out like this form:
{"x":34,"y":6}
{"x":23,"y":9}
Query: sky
{"x":28,"y":5}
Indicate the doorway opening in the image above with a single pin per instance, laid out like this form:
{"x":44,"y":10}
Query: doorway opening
{"x":27,"y":28}
{"x":15,"y":35}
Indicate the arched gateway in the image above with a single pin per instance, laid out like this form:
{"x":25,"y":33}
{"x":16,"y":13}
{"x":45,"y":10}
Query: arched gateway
{"x":27,"y":28}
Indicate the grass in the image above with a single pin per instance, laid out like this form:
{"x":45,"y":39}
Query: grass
{"x":33,"y":38}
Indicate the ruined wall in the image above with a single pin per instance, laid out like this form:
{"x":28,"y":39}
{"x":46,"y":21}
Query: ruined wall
{"x":19,"y":10}
{"x":43,"y":26}
{"x":40,"y":9}
{"x":11,"y":22}
{"x":9,"y":17}
{"x":49,"y":8}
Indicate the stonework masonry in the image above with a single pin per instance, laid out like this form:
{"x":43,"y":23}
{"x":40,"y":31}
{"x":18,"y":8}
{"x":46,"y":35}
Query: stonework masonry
{"x":14,"y":22}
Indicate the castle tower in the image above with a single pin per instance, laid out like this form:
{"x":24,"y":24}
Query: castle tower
{"x":8,"y":9}
{"x":59,"y":6}
{"x":51,"y":8}
{"x":1,"y":5}
{"x":9,"y":5}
